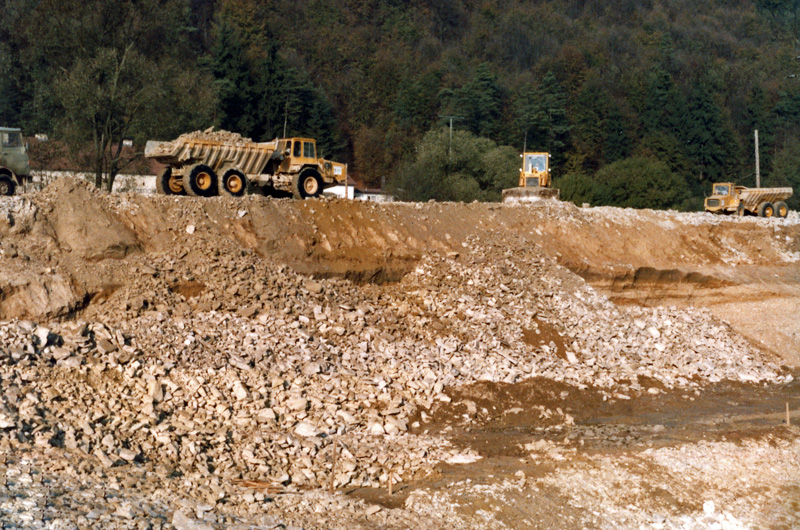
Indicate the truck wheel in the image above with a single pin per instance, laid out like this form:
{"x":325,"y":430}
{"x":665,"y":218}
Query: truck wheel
{"x":234,"y":183}
{"x":202,"y":181}
{"x":7,"y":186}
{"x":307,"y":184}
{"x":169,"y":183}
{"x":781,"y":210}
{"x":766,"y":209}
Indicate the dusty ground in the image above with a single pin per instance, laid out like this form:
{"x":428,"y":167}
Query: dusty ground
{"x":523,"y":448}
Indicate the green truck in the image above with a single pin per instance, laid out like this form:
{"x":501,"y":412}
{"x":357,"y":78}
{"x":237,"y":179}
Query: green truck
{"x":14,"y":165}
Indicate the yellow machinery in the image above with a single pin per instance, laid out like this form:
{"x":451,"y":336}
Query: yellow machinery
{"x":207,"y":163}
{"x":728,"y":198}
{"x":535,"y":170}
{"x":534,"y":180}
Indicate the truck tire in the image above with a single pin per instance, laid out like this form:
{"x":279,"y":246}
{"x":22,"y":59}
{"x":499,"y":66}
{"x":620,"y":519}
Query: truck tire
{"x":7,"y":185}
{"x":766,"y":209}
{"x":781,"y":210}
{"x":169,"y":183}
{"x":308,"y":184}
{"x":234,"y":183}
{"x":202,"y":181}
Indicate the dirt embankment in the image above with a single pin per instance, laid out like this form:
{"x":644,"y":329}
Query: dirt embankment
{"x":182,"y":374}
{"x":69,"y":247}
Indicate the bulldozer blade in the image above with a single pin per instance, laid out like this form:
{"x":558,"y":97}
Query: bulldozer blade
{"x":531,"y":194}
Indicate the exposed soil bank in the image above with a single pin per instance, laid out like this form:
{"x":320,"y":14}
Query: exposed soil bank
{"x":69,"y":246}
{"x":180,"y":373}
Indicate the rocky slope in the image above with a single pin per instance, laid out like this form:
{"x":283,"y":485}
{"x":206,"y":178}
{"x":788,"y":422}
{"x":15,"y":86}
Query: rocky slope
{"x":211,"y":363}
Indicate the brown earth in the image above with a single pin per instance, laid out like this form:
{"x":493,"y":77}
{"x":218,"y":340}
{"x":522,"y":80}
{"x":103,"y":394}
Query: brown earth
{"x":77,"y":246}
{"x":504,"y":422}
{"x":70,"y":252}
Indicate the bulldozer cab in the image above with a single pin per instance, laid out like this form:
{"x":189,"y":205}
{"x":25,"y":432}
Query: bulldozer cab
{"x":535,"y":170}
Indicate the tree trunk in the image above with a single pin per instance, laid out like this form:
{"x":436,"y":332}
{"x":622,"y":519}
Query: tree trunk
{"x":113,"y":165}
{"x":99,"y":150}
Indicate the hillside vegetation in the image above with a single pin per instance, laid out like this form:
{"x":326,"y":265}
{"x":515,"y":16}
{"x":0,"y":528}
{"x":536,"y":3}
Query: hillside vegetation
{"x":628,"y":96}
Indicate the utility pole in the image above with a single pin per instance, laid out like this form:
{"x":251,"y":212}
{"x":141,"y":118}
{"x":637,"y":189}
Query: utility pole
{"x":758,"y":168}
{"x":285,"y":116}
{"x":451,"y":118}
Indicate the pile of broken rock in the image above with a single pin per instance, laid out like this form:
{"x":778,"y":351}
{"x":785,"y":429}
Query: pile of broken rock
{"x":235,"y":369}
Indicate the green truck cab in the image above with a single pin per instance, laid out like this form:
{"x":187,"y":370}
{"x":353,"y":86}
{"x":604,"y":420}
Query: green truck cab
{"x":15,"y":168}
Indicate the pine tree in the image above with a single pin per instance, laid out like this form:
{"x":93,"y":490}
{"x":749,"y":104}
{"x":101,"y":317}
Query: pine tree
{"x":785,"y":117}
{"x":589,"y":116}
{"x":480,"y":103}
{"x":9,"y":90}
{"x":309,"y":113}
{"x":618,"y":142}
{"x":274,"y":86}
{"x":417,"y":101}
{"x":758,"y":117}
{"x":783,"y":12}
{"x":542,"y":116}
{"x":709,"y":143}
{"x":664,"y":104}
{"x":234,"y":81}
{"x":263,"y":97}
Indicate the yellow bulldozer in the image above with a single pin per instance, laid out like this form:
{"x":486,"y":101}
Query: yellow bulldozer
{"x":534,"y":180}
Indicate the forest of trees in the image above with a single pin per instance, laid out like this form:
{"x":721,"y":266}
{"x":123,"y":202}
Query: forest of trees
{"x":642,"y":103}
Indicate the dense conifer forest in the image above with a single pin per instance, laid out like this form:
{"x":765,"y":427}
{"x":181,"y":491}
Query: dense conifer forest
{"x":641,"y":103}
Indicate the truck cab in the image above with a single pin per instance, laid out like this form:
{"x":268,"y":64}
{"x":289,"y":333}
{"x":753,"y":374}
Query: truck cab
{"x":308,"y":173}
{"x":535,"y":172}
{"x":298,"y":153}
{"x":724,"y":198}
{"x":14,"y":164}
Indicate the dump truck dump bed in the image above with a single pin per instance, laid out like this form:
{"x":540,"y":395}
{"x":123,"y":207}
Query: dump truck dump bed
{"x":752,"y":197}
{"x":249,"y":157}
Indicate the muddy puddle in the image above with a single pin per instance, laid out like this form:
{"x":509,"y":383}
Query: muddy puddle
{"x":498,"y":420}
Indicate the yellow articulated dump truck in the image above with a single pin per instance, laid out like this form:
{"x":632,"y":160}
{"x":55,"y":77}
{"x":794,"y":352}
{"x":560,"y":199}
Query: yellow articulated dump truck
{"x":208,"y":163}
{"x":534,"y":180}
{"x":728,"y":198}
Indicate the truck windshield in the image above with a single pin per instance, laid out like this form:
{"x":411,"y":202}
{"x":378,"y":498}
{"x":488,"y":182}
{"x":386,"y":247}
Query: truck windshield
{"x":721,"y":189}
{"x":12,"y":139}
{"x":535,"y":163}
{"x":308,"y":150}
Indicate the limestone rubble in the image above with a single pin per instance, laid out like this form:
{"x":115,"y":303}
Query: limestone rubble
{"x":217,"y":387}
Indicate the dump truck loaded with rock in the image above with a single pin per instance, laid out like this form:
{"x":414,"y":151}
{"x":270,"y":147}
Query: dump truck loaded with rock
{"x":208,"y":163}
{"x":728,"y":198}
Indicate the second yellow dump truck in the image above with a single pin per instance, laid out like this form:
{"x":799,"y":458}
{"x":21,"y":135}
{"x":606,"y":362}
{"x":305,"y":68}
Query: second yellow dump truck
{"x":208,"y":163}
{"x":728,"y":198}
